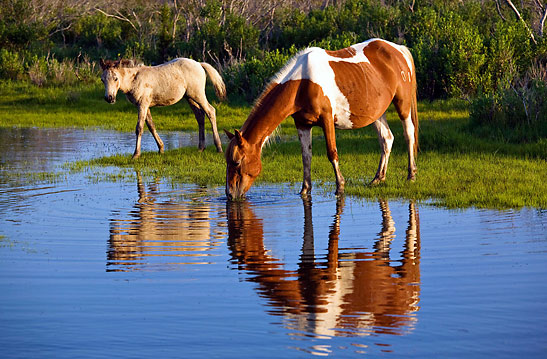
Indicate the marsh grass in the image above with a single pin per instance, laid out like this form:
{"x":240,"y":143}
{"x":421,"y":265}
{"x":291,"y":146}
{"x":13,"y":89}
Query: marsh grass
{"x":83,"y":106}
{"x":456,"y":168}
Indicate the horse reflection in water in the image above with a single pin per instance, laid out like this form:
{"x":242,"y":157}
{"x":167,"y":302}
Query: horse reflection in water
{"x":351,"y":293}
{"x":161,"y":232}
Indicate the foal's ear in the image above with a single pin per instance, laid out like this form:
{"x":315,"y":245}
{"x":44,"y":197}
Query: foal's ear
{"x":102,"y":64}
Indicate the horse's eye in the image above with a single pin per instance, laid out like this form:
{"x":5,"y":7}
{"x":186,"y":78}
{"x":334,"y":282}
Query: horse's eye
{"x":115,"y":79}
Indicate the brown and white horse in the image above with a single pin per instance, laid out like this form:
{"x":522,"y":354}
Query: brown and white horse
{"x":164,"y":85}
{"x":345,"y":89}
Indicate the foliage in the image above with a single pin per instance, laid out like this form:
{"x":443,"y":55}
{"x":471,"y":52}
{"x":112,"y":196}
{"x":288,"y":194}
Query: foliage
{"x":515,"y":114}
{"x":249,"y":78}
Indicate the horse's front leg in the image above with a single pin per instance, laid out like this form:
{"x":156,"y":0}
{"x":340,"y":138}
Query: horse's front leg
{"x":143,"y":111}
{"x":152,"y":128}
{"x":332,"y":152}
{"x":304,"y":134}
{"x":385,"y":138}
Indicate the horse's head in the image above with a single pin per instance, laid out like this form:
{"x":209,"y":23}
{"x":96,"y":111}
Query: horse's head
{"x":111,"y":78}
{"x":243,"y":165}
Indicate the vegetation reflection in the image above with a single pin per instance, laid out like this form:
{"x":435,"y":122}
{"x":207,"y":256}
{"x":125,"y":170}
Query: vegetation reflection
{"x":349,"y":292}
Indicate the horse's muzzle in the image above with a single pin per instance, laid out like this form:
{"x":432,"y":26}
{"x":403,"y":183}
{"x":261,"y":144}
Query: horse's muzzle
{"x":234,"y":195}
{"x":110,"y":99}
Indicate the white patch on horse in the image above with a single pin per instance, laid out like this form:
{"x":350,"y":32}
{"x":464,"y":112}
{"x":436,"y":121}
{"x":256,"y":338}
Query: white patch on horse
{"x":313,"y":64}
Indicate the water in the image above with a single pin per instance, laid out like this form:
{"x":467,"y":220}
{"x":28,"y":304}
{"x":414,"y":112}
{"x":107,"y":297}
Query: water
{"x":151,"y":269}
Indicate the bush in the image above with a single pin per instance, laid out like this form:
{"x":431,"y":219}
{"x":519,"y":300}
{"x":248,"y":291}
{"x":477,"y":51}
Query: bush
{"x":48,"y":70}
{"x":249,"y":78}
{"x":516,"y":114}
{"x":11,"y":65}
{"x":449,"y":54}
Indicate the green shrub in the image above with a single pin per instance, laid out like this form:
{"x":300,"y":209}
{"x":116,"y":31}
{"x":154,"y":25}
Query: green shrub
{"x":449,"y":54}
{"x":249,"y":78}
{"x":514,"y":114}
{"x":11,"y":65}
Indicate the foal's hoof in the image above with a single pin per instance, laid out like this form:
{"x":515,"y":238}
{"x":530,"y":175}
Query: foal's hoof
{"x":411,"y":177}
{"x":135,"y":156}
{"x":376,"y":181}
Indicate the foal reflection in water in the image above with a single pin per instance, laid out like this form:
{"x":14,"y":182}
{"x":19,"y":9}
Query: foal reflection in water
{"x":160,"y":232}
{"x":351,"y":293}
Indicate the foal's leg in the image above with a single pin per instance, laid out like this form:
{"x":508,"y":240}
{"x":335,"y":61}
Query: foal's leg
{"x":152,"y":128}
{"x":143,"y":112}
{"x":332,"y":152}
{"x":211,"y":113}
{"x":304,"y":134}
{"x":200,"y":117}
{"x":385,"y":138}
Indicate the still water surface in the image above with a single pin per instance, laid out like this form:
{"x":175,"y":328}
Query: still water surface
{"x":150,"y":269}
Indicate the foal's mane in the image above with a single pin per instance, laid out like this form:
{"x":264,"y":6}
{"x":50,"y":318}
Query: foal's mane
{"x":122,"y":63}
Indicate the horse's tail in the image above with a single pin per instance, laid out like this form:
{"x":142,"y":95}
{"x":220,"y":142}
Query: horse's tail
{"x":414,"y":105}
{"x":216,"y":79}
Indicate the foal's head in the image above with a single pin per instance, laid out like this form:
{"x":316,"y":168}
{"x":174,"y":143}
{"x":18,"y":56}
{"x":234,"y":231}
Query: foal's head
{"x":113,"y":75}
{"x":243,"y":165}
{"x":111,"y":78}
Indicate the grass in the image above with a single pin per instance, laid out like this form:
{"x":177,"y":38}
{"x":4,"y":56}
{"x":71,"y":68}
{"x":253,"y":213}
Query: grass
{"x":455,"y":167}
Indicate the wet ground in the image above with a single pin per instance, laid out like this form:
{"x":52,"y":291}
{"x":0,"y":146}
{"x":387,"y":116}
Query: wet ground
{"x":145,"y":268}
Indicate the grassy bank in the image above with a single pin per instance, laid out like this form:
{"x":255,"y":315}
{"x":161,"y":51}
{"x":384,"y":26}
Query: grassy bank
{"x":455,"y":167}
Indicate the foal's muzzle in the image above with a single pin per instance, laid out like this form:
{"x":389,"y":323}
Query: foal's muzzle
{"x":110,"y":99}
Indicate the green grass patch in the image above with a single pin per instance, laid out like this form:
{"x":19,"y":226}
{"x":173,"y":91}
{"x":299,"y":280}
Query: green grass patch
{"x":456,"y":167}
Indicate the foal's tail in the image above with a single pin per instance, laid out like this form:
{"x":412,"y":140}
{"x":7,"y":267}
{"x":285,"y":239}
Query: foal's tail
{"x":216,"y":79}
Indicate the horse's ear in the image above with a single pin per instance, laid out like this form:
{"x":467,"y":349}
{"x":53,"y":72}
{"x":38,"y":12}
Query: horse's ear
{"x":239,"y":138}
{"x":229,"y":134}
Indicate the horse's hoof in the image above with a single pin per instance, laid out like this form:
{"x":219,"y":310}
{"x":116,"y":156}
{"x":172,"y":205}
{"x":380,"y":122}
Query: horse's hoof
{"x":304,"y":192}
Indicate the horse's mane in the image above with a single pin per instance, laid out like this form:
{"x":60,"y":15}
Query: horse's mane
{"x":274,"y":81}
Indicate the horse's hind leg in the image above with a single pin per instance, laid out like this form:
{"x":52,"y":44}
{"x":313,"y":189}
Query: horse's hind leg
{"x":404,"y":110}
{"x":332,"y":152}
{"x":409,"y":129}
{"x":200,"y":118}
{"x":152,"y":128}
{"x":385,"y":138}
{"x":211,"y":113}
